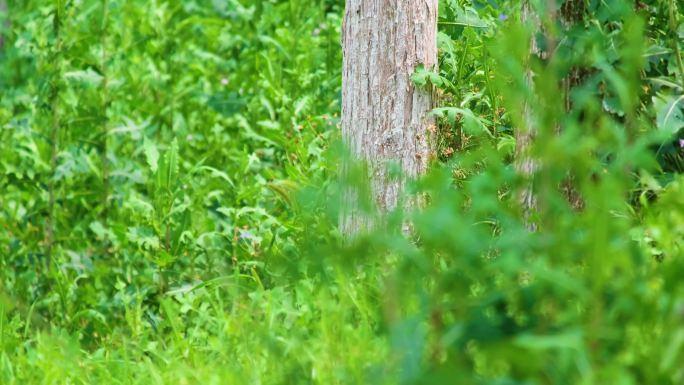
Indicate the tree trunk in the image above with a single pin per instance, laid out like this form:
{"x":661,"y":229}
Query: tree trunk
{"x":524,"y":136}
{"x":384,"y":117}
{"x":571,"y":12}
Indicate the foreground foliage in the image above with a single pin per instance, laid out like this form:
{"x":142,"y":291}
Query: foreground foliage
{"x":168,"y":200}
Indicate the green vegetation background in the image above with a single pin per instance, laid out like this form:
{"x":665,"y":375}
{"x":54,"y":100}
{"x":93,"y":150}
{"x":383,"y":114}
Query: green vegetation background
{"x":168,"y":201}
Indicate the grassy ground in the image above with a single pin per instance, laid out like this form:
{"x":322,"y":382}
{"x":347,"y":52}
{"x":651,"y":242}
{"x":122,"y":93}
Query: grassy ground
{"x":169,"y":190}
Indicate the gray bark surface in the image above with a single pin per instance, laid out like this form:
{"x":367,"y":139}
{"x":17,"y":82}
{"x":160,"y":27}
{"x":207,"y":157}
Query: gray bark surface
{"x":384,"y":117}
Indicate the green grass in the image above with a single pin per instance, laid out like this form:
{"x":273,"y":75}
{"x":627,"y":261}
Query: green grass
{"x":221,"y":333}
{"x":169,"y":199}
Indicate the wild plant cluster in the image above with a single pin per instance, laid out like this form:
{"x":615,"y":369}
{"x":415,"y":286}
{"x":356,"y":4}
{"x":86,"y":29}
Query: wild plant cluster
{"x":169,"y":195}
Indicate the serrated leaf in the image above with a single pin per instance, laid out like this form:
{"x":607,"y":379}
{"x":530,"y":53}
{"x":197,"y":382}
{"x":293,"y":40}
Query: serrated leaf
{"x":151,"y":154}
{"x":144,"y":237}
{"x":100,"y":231}
{"x":168,"y":168}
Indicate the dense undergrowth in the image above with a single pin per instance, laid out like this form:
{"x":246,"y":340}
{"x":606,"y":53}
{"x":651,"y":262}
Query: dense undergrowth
{"x":168,"y":201}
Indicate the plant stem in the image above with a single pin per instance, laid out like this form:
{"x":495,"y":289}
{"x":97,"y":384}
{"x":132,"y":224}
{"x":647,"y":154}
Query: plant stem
{"x":105,"y":129}
{"x":490,"y":89}
{"x":675,"y":41}
{"x":54,"y":134}
{"x":3,"y":26}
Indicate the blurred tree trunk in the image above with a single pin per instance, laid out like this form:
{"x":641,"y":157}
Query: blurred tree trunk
{"x":571,"y":13}
{"x":524,"y":136}
{"x":384,"y":117}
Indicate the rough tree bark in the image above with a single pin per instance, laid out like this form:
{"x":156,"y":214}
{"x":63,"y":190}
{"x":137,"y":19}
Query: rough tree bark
{"x":572,"y":13}
{"x":384,"y":117}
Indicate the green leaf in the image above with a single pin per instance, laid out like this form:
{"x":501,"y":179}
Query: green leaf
{"x":543,"y":342}
{"x":670,"y":117}
{"x":151,"y":154}
{"x":471,"y":123}
{"x":164,"y":259}
{"x":420,"y":76}
{"x":168,"y":168}
{"x":673,"y":351}
{"x":302,"y":105}
{"x":144,"y":237}
{"x":466,"y":17}
{"x":218,"y":174}
{"x":87,"y":77}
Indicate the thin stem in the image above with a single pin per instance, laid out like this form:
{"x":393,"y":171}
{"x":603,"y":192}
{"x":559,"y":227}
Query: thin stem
{"x":675,"y":41}
{"x":490,"y":89}
{"x":459,"y":73}
{"x":54,"y":135}
{"x":105,"y":125}
{"x":4,"y":19}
